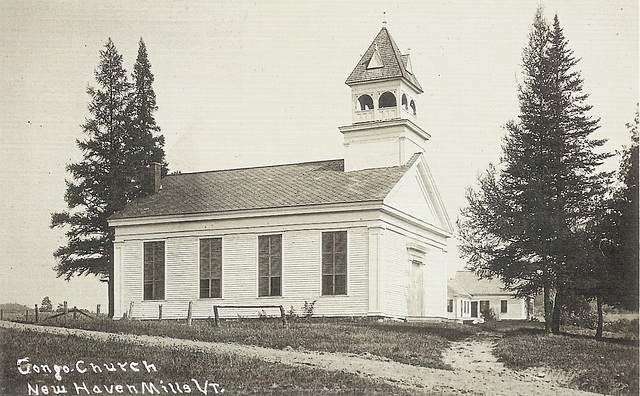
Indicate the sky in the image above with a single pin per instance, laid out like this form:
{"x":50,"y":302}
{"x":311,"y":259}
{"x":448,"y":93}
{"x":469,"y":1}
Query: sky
{"x":243,"y":83}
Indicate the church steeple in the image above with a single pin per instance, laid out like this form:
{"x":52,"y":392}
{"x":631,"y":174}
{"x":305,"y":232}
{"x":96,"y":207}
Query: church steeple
{"x":384,"y":94}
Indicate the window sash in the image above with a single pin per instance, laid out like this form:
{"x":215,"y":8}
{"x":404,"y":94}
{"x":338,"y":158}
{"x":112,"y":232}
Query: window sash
{"x":153,"y":270}
{"x":269,"y":265}
{"x":211,"y":268}
{"x":334,"y":263}
{"x":503,"y":306}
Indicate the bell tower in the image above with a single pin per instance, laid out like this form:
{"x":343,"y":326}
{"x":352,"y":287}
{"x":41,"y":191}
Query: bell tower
{"x":384,"y":130}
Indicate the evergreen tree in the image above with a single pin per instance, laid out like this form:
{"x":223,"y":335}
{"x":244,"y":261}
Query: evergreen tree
{"x":109,"y":175}
{"x":146,"y":141}
{"x":619,"y":232}
{"x":626,"y":203}
{"x":533,"y":214}
{"x":46,"y":305}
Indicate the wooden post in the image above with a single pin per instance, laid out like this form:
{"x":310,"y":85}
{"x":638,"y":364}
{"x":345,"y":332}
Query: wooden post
{"x":131,"y":310}
{"x":26,"y":315}
{"x":66,"y":311}
{"x":189,"y":313}
{"x":75,"y":310}
{"x":36,"y":313}
{"x":160,"y":312}
{"x":216,"y":315}
{"x":98,"y":309}
{"x":1,"y":314}
{"x":284,"y":316}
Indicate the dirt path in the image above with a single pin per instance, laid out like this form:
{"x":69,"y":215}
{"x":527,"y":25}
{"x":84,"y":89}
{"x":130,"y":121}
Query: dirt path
{"x":423,"y":380}
{"x":474,"y":355}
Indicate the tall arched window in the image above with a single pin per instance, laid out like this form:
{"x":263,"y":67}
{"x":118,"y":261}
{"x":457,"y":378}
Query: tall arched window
{"x":365,"y":102}
{"x":405,"y":105}
{"x":413,"y":107}
{"x":387,"y":99}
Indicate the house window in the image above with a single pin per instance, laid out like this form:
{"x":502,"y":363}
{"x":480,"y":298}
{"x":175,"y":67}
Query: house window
{"x":450,"y":305}
{"x":211,"y":268}
{"x":269,"y":265}
{"x":484,"y":306}
{"x":503,"y":306}
{"x":154,"y":270}
{"x":334,"y":263}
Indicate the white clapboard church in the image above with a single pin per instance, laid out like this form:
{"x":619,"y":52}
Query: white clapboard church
{"x":362,"y":236}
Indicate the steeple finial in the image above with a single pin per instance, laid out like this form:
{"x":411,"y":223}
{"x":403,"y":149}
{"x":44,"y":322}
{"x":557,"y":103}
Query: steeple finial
{"x":384,"y":18}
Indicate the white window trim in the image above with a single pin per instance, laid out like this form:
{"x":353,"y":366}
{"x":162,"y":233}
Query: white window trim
{"x":258,"y":265}
{"x":222,"y":283}
{"x":348,"y":264}
{"x":165,"y":268}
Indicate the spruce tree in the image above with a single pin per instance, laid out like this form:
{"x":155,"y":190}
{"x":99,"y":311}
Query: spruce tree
{"x":109,"y":174}
{"x":146,"y":141}
{"x":626,"y":204}
{"x":542,"y":198}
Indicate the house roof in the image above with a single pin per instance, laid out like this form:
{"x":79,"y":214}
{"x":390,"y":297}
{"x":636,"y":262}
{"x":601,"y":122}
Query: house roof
{"x":278,"y":186}
{"x":394,"y":63}
{"x":468,"y":283}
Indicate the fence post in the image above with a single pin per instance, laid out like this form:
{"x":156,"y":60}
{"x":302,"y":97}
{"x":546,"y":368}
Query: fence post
{"x":75,"y":310}
{"x":284,"y":317}
{"x":216,"y":315}
{"x":36,"y":313}
{"x":160,"y":312}
{"x":1,"y":314}
{"x":26,"y":315}
{"x":131,"y":310}
{"x":189,"y":313}
{"x":66,"y":311}
{"x":98,"y":309}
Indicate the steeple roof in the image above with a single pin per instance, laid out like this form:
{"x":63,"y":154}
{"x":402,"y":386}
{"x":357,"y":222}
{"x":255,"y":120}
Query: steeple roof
{"x":394,"y":64}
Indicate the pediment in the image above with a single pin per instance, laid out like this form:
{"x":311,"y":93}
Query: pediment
{"x":416,"y":195}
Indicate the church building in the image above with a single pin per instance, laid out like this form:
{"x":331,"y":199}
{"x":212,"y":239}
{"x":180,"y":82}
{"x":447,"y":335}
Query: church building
{"x":361,"y":236}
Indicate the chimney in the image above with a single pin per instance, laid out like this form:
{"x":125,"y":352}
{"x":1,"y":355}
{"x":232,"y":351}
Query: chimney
{"x":156,"y":168}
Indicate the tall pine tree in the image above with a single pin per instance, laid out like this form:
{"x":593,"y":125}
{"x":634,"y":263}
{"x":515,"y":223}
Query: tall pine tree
{"x":110,"y":173}
{"x":147,"y":143}
{"x":533,"y":213}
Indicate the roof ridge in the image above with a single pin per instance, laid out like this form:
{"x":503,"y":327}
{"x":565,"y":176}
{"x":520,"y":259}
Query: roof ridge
{"x":257,"y":167}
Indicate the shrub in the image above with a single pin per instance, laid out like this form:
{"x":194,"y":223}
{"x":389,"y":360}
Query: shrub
{"x":488,"y":314}
{"x":307,"y":309}
{"x":625,"y":326}
{"x":585,"y":319}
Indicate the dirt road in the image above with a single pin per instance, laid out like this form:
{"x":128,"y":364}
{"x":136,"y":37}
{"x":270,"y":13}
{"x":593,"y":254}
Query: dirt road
{"x":471,"y":375}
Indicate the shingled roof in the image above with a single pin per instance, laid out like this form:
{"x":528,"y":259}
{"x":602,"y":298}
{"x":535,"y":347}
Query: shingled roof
{"x":467,"y":282}
{"x":302,"y":184}
{"x":394,"y":63}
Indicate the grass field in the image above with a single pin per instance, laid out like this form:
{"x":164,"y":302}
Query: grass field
{"x":609,"y":366}
{"x":175,"y":369}
{"x":414,"y":344}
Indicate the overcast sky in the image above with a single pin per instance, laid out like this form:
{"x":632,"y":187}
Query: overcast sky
{"x":243,"y":83}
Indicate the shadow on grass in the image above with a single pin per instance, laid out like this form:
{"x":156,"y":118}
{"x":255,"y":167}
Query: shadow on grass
{"x":541,"y":331}
{"x":452,"y":332}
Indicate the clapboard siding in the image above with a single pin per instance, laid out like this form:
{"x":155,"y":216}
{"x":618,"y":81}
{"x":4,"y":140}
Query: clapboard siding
{"x":302,"y":279}
{"x":131,"y":272}
{"x":181,"y":269}
{"x":301,"y":265}
{"x":395,"y":284}
{"x":239,"y":268}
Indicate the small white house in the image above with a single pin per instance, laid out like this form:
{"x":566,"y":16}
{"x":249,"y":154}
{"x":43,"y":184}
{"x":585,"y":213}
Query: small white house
{"x":468,"y":296}
{"x":364,"y":235}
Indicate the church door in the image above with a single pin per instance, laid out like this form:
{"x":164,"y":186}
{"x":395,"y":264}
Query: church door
{"x":416,"y":289}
